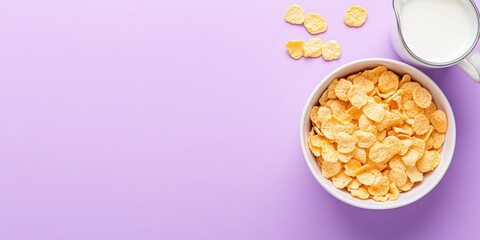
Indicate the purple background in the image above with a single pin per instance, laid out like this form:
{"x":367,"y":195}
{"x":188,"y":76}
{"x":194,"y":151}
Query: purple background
{"x":144,"y":119}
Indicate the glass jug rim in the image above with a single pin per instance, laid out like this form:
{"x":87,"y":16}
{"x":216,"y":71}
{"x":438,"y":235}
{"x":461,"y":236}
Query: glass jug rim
{"x":437,"y":64}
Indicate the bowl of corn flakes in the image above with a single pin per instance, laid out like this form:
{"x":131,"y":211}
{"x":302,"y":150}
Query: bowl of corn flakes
{"x":378,"y":133}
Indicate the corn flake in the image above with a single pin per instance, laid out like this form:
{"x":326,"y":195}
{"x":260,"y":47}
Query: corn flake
{"x":361,"y":193}
{"x":374,"y":74}
{"x":398,"y":176}
{"x":355,"y":16}
{"x":341,"y":180}
{"x":388,"y":82}
{"x":374,"y":112}
{"x":295,"y":14}
{"x":421,"y":125}
{"x":329,"y":153}
{"x":429,"y":161}
{"x":439,"y":121}
{"x":330,"y":169}
{"x":414,"y":175}
{"x":342,"y":88}
{"x":422,"y":97}
{"x":331,"y":50}
{"x":313,"y":48}
{"x":314,"y":23}
{"x":295,"y":48}
{"x":380,"y":186}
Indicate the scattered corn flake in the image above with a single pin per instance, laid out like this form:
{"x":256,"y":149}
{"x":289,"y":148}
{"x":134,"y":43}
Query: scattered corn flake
{"x":315,"y":23}
{"x":331,"y":50}
{"x":313,"y":48}
{"x":295,"y":14}
{"x":295,"y":48}
{"x":355,"y":16}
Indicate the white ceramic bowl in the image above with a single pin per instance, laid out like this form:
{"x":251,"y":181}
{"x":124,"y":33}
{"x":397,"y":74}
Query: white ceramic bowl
{"x":430,"y":180}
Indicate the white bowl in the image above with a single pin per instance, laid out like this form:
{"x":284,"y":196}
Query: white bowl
{"x":430,"y":180}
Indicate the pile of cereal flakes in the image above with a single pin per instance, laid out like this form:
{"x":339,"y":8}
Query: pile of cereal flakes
{"x":375,"y":134}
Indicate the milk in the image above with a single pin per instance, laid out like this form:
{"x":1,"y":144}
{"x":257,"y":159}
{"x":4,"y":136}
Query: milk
{"x":437,"y":30}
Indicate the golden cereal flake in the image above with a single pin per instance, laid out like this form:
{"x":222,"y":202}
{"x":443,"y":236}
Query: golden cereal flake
{"x":355,"y":16}
{"x":295,"y":14}
{"x":331,"y":50}
{"x":315,"y":23}
{"x":313,"y":48}
{"x":295,"y":48}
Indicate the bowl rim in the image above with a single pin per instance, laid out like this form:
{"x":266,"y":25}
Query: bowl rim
{"x":351,"y":200}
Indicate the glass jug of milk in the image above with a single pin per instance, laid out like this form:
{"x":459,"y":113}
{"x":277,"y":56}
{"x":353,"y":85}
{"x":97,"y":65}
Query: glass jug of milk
{"x":438,"y":33}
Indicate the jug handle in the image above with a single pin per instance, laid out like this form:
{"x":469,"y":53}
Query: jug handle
{"x":471,"y":65}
